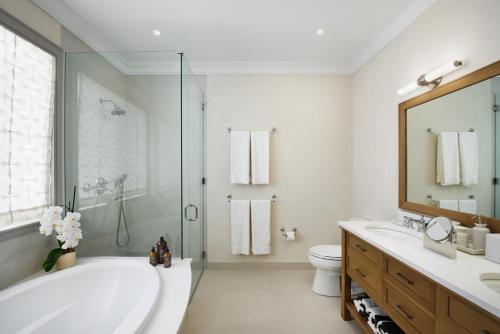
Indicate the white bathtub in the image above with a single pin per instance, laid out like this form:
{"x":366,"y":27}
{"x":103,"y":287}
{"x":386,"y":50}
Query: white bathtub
{"x":98,"y":295}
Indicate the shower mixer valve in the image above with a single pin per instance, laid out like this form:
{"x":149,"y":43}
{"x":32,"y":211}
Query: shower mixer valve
{"x":100,"y":186}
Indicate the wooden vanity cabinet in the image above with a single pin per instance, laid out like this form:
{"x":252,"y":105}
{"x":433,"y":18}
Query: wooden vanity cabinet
{"x":416,"y":303}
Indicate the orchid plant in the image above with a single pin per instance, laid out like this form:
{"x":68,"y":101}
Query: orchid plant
{"x":67,"y":229}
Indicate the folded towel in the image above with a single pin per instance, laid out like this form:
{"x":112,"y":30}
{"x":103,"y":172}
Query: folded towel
{"x":378,"y":318}
{"x":467,"y":205}
{"x":389,"y":327}
{"x":240,"y":157}
{"x":261,"y":227}
{"x":240,"y":226}
{"x":450,"y":204}
{"x":447,"y":160}
{"x":373,"y":312}
{"x":357,"y":292}
{"x":260,"y":157}
{"x":469,"y":158}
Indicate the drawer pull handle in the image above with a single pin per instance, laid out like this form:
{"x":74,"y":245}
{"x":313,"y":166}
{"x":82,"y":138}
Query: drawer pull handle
{"x":403,"y":312}
{"x":484,"y":332}
{"x":403,"y":278}
{"x":360,"y":273}
{"x":361,"y":248}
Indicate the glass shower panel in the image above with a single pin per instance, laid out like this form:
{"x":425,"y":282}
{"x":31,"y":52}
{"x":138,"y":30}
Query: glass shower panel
{"x":123,"y":150}
{"x":193,"y":171}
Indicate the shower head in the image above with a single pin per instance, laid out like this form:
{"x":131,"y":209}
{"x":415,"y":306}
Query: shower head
{"x":117,"y":111}
{"x":120,"y":179}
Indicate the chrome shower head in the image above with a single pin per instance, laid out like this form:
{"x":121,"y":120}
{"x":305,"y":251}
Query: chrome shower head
{"x":117,"y":111}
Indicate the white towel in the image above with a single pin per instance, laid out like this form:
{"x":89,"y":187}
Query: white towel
{"x":240,"y":157}
{"x":468,"y":206}
{"x":261,"y":227}
{"x":260,"y":157}
{"x":469,"y":159}
{"x":240,"y":227}
{"x":447,"y":160}
{"x":450,"y":204}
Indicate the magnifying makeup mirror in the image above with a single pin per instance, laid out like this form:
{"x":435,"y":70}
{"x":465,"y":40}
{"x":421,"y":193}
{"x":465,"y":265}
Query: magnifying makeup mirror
{"x":439,"y":229}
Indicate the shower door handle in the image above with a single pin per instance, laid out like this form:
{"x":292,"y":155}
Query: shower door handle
{"x":186,"y":209}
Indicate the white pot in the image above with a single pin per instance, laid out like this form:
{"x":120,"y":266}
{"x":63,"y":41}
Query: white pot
{"x":66,"y":260}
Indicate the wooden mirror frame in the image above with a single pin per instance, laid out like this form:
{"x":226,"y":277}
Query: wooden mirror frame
{"x":467,"y":219}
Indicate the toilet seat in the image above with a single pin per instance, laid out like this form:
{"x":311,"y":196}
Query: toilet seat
{"x":327,"y":252}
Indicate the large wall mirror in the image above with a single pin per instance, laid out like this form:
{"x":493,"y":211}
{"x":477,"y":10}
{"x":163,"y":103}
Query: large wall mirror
{"x":450,"y":149}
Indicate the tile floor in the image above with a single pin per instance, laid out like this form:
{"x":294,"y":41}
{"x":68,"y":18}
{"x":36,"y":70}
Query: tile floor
{"x":261,"y":302}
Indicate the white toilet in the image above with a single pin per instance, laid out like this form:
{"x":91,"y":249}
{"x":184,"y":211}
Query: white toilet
{"x":328,"y":260}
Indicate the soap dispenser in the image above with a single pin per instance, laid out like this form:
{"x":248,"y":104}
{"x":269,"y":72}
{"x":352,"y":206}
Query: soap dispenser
{"x":479,"y":232}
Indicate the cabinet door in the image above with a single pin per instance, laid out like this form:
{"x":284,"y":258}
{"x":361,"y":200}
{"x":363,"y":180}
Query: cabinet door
{"x":457,"y":316}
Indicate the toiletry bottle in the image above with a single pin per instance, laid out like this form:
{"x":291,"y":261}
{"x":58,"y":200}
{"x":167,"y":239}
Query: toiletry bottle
{"x":153,"y":259}
{"x":461,"y":235}
{"x":162,"y":247}
{"x":479,"y":232}
{"x":168,"y":258}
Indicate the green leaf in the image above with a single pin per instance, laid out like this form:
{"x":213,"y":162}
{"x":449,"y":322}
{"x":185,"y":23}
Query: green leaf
{"x":52,"y":258}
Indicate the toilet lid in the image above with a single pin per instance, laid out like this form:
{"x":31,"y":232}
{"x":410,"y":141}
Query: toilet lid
{"x":327,"y":251}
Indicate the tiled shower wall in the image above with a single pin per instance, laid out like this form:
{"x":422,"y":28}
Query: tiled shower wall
{"x":109,"y":145}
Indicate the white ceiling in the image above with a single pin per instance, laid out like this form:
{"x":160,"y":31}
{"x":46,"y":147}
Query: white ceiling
{"x":242,"y":36}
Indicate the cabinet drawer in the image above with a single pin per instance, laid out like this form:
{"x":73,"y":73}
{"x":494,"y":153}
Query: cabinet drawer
{"x":408,"y":315}
{"x":412,"y":283}
{"x":364,"y":272}
{"x":464,"y":317}
{"x":365,"y":249}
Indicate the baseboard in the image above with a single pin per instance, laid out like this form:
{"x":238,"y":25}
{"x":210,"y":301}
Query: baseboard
{"x":260,"y":265}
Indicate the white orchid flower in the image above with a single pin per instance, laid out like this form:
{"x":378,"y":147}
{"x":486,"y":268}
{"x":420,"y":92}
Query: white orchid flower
{"x":51,"y":217}
{"x":68,"y":229}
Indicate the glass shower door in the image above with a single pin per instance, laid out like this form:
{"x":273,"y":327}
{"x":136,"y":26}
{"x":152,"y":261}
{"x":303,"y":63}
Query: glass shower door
{"x":193,"y":171}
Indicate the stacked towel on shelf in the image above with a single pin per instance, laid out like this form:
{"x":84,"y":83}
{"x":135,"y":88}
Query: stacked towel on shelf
{"x":357,"y":291}
{"x":377,"y":320}
{"x":388,"y":327}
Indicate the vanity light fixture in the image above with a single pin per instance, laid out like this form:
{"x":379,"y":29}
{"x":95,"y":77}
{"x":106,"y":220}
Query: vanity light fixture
{"x":320,"y":31}
{"x":431,"y":79}
{"x":156,"y":32}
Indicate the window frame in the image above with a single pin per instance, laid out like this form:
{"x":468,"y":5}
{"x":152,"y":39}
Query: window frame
{"x":16,"y":26}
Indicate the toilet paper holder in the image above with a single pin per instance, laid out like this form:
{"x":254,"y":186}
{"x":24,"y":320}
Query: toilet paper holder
{"x":283,"y":231}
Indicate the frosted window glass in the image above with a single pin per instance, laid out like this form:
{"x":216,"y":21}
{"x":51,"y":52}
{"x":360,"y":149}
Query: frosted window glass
{"x":27,"y":92}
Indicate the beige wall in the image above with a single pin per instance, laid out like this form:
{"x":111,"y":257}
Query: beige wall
{"x":449,"y":29}
{"x":33,"y":16}
{"x":310,"y":158}
{"x":459,"y":111}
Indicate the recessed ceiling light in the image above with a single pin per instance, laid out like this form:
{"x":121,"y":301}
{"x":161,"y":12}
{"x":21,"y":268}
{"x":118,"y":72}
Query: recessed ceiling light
{"x":156,"y":32}
{"x":320,"y":31}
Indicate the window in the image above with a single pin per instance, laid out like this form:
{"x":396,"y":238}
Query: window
{"x":27,"y":121}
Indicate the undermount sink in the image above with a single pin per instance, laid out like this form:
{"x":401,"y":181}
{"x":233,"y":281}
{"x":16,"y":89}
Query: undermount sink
{"x":394,"y":232}
{"x":491,"y":280}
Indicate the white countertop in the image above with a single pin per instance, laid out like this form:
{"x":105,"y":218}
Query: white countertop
{"x":173,"y":300}
{"x":460,"y":275}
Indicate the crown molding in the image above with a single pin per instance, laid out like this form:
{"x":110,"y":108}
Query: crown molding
{"x":270,"y":67}
{"x":73,"y":22}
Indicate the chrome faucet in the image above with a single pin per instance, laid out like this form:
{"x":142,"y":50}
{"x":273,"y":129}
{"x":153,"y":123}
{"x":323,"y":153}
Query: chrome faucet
{"x":415,"y":224}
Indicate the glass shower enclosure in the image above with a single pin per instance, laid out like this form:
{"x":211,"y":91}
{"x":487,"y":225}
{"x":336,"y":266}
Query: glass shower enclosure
{"x":134,"y":153}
